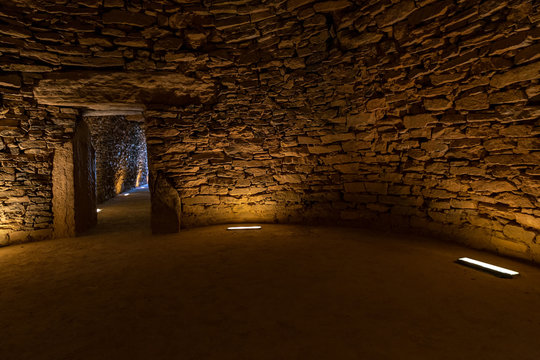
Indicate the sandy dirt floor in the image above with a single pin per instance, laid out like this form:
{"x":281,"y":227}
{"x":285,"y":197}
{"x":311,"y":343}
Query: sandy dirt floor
{"x":283,"y":292}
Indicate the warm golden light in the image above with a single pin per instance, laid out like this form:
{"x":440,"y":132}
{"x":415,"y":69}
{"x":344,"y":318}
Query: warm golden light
{"x":119,"y":185}
{"x":139,"y":178}
{"x":244,"y":227}
{"x":496,"y":270}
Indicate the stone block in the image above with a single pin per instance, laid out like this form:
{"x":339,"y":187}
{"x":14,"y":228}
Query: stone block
{"x":513,"y":200}
{"x":530,"y":53}
{"x":288,"y":179}
{"x":354,"y":187}
{"x":350,"y":40}
{"x":15,"y":31}
{"x":511,"y":248}
{"x":489,"y":7}
{"x":528,"y":220}
{"x":510,"y":43}
{"x":11,"y":81}
{"x":517,"y":233}
{"x":429,"y":12}
{"x":360,"y":119}
{"x":168,"y":44}
{"x":495,"y":186}
{"x":314,"y":149}
{"x":399,"y":11}
{"x":294,"y":63}
{"x":437,"y":104}
{"x":473,"y":102}
{"x":467,"y":58}
{"x":376,"y":188}
{"x":332,"y":138}
{"x":330,"y":6}
{"x":347,"y":168}
{"x":418,"y":121}
{"x":201,"y":200}
{"x":232,"y":22}
{"x":128,"y":18}
{"x":513,"y":131}
{"x":18,"y":236}
{"x":440,"y":79}
{"x":507,"y":97}
{"x":521,"y":73}
{"x":294,"y":4}
{"x":113,"y":3}
{"x":250,"y":190}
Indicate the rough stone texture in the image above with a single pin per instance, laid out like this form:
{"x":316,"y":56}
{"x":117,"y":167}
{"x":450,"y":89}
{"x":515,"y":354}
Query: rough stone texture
{"x":64,"y":193}
{"x":121,"y":162}
{"x":120,"y":90}
{"x":84,"y":179}
{"x":166,"y":205}
{"x":426,"y":107}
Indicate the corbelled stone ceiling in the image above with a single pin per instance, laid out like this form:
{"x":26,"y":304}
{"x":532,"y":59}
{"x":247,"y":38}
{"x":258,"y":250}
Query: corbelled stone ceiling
{"x":419,"y":115}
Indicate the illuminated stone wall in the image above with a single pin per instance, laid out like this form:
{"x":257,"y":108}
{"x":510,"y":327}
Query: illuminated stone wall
{"x":120,"y":155}
{"x":28,"y":137}
{"x":407,"y":114}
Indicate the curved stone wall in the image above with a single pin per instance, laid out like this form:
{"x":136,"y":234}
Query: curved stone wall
{"x":409,"y":114}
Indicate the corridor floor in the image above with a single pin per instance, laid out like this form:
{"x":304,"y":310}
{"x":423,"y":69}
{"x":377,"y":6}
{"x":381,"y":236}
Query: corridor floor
{"x":283,"y":292}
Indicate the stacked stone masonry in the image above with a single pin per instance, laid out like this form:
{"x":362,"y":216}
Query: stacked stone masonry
{"x":120,"y":147}
{"x":396,"y":114}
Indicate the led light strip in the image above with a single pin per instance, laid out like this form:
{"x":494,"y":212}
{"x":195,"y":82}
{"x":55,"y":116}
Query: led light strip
{"x":244,"y":228}
{"x":493,"y":269}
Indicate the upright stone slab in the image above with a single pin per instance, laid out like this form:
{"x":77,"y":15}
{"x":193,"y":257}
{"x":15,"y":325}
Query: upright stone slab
{"x":63,"y":191}
{"x":74,"y":189}
{"x":166,"y":205}
{"x":84,"y":179}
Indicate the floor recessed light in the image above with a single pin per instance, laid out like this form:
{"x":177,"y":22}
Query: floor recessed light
{"x":493,"y":269}
{"x":244,"y":227}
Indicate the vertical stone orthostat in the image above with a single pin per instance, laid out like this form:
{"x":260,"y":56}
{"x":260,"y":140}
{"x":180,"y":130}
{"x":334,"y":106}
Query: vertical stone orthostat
{"x":63,"y":191}
{"x":73,"y":178}
{"x":166,"y":204}
{"x":84,"y":179}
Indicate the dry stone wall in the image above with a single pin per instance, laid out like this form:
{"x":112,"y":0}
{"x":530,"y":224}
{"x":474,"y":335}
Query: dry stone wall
{"x":120,"y":147}
{"x":408,"y":114}
{"x":28,"y":136}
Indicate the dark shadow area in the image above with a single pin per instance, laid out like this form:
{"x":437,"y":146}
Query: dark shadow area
{"x":84,"y":179}
{"x":282,"y":292}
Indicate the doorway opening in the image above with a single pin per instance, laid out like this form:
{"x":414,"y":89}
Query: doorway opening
{"x":121,"y":162}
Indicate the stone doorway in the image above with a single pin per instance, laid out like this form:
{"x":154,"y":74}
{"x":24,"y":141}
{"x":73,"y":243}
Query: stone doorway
{"x":106,"y":157}
{"x":74,"y":186}
{"x":121,"y":155}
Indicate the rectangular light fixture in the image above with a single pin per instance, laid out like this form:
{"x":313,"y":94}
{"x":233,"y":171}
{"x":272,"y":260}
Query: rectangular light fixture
{"x":493,"y":269}
{"x":244,"y":227}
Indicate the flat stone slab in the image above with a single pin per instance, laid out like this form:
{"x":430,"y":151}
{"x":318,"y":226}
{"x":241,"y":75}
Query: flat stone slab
{"x":121,"y":91}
